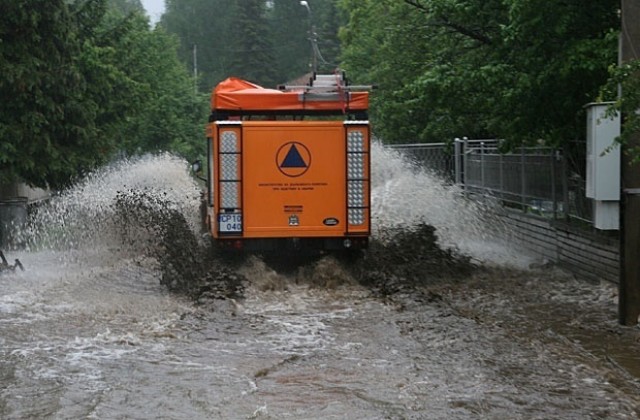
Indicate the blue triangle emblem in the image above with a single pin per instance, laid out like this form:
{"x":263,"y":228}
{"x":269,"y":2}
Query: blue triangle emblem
{"x":293,"y":159}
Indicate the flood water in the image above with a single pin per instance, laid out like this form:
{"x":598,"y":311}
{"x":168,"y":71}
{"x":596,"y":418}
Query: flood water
{"x":94,"y":328}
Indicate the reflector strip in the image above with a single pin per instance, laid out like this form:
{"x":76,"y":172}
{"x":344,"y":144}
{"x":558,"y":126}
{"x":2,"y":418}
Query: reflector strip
{"x":228,"y":167}
{"x":229,"y":195}
{"x":356,"y":216}
{"x":355,"y":141}
{"x":229,"y":162}
{"x":355,"y":166}
{"x":357,"y":176}
{"x":228,"y":142}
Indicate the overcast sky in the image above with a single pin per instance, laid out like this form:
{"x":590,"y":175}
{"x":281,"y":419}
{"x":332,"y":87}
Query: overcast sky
{"x":154,"y":9}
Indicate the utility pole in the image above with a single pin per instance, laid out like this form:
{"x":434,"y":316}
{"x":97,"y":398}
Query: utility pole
{"x":313,"y":37}
{"x":629,"y":288}
{"x":195,"y":68}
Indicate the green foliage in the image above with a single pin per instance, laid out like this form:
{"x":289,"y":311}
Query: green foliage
{"x":626,"y":79}
{"x":264,"y":41}
{"x":205,"y":24}
{"x":514,"y":69}
{"x":253,"y":57}
{"x":329,"y":20}
{"x":83,"y":80}
{"x":167,"y":115}
{"x":290,"y":33}
{"x":48,"y":127}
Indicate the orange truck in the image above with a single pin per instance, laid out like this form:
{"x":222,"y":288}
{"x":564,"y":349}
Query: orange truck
{"x":289,"y":168}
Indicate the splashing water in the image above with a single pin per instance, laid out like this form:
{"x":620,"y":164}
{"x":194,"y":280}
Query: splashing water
{"x":87,"y":214}
{"x":404,"y":196}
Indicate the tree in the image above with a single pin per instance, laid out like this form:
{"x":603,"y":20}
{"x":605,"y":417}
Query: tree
{"x":559,"y":53}
{"x":266,"y":41}
{"x":252,"y":57}
{"x":88,"y":79}
{"x":48,"y":130}
{"x":289,"y":25}
{"x":205,"y":24}
{"x":625,"y":79}
{"x":168,"y":115}
{"x":328,"y":22}
{"x":514,"y":69}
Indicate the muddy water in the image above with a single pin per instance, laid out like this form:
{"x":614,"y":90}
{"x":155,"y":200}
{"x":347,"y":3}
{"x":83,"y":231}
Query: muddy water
{"x":101,"y":325}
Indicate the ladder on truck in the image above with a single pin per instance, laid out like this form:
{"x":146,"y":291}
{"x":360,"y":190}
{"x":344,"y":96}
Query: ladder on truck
{"x":326,"y":87}
{"x":326,"y":84}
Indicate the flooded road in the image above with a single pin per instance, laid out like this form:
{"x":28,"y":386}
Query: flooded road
{"x":413,"y":331}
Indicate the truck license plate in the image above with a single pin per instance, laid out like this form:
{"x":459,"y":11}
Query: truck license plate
{"x":231,"y":222}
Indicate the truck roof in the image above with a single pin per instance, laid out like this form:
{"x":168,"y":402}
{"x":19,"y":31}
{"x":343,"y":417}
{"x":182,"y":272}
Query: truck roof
{"x":237,"y":95}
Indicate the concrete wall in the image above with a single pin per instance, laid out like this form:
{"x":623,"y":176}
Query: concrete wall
{"x":588,"y":254}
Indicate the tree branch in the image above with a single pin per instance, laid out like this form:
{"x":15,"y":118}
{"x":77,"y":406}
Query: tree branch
{"x":445,"y":21}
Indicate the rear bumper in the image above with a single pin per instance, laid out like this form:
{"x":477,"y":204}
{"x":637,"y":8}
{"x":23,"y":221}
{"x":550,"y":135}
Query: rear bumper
{"x":293,"y":244}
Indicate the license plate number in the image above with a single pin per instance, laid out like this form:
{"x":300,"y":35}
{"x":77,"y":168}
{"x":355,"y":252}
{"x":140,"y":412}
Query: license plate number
{"x":230,"y":222}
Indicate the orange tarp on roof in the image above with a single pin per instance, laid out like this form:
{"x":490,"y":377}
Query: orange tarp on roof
{"x":234,"y":94}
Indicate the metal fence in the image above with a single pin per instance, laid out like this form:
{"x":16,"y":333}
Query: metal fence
{"x":529,"y":177}
{"x":540,"y":180}
{"x":437,"y":157}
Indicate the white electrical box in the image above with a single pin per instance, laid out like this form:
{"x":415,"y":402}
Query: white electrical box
{"x":603,"y":165}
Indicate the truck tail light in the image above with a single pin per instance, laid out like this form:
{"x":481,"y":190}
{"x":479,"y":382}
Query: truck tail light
{"x":229,"y":171}
{"x":358,"y":175}
{"x":230,"y":177}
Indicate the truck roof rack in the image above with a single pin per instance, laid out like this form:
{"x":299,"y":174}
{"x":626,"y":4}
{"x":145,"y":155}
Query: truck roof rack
{"x":327,"y":83}
{"x":323,"y":95}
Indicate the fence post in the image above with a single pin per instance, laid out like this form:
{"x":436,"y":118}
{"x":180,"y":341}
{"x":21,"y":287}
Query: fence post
{"x":465,"y":161}
{"x":523,"y":184}
{"x":565,"y":185}
{"x":501,"y":163}
{"x":482,"y":166}
{"x":553,"y":183}
{"x":456,"y":163}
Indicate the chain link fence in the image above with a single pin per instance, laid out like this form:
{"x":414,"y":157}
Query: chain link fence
{"x":540,"y":180}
